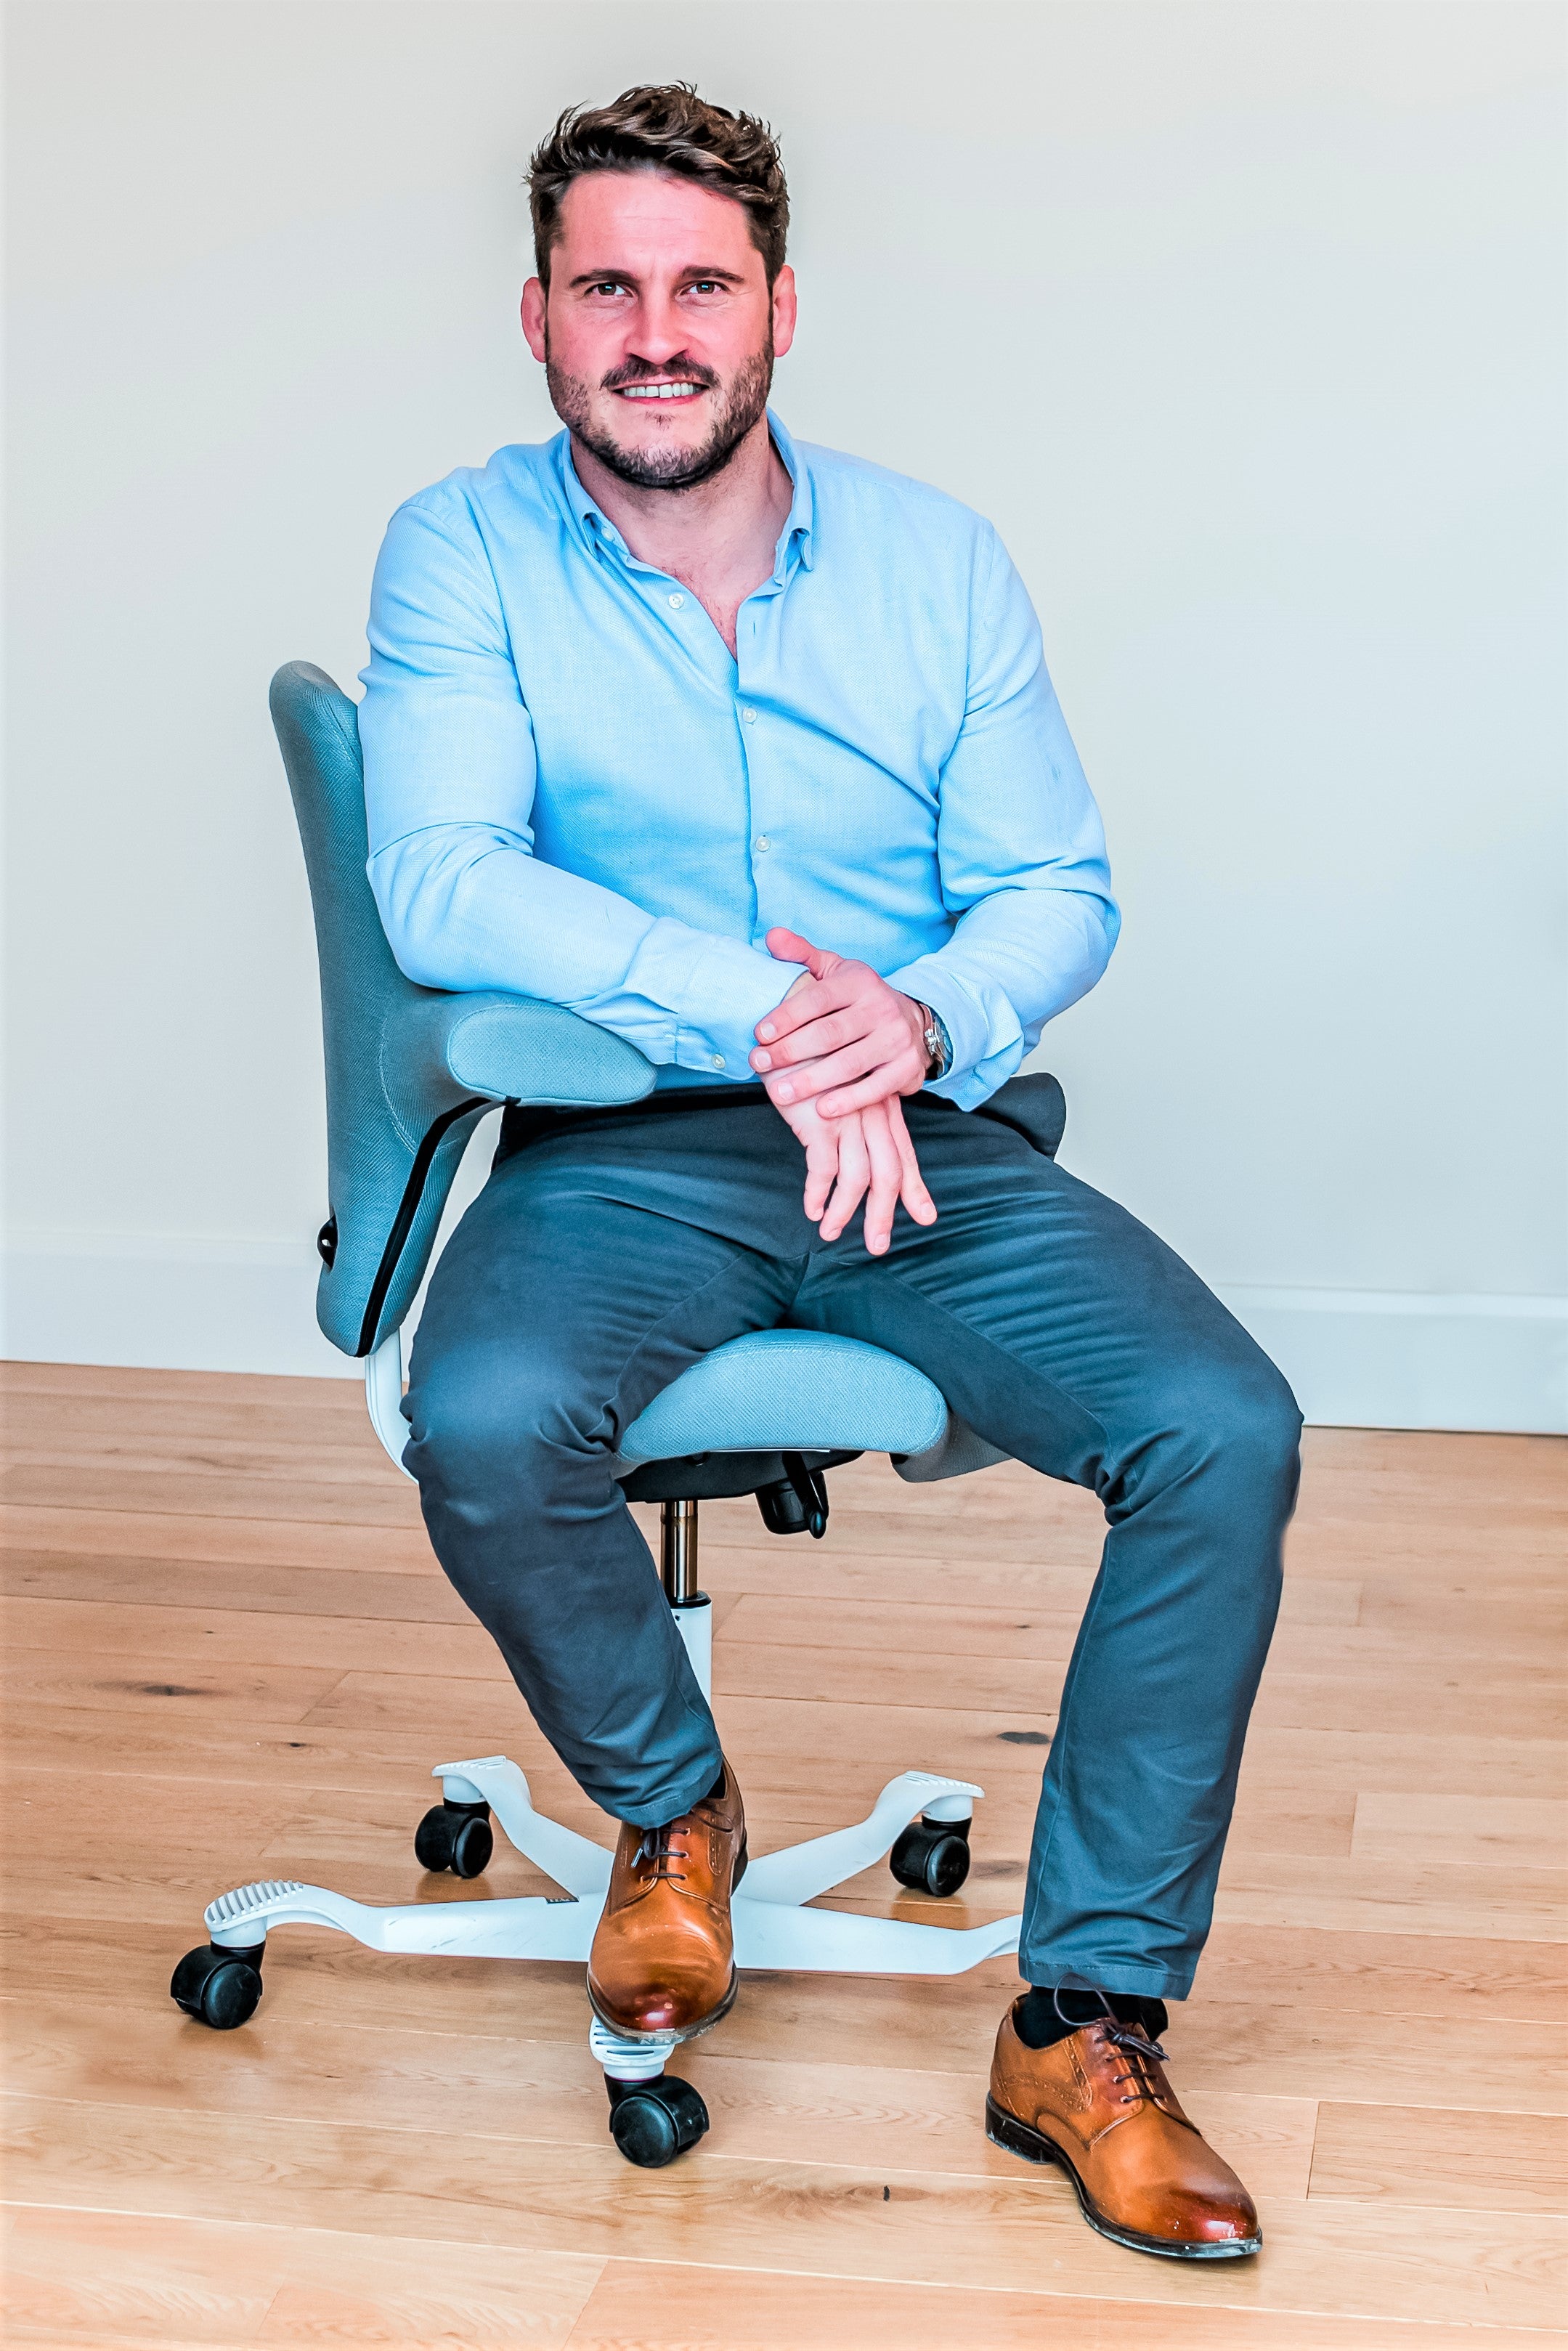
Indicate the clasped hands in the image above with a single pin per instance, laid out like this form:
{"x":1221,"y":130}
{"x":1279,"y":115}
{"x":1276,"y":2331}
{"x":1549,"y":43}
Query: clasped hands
{"x":835,"y":1057}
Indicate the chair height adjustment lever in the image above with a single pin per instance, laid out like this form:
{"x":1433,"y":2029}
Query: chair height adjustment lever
{"x":798,"y":1502}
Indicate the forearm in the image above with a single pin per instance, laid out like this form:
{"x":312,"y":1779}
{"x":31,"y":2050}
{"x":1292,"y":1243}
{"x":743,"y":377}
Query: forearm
{"x":468,"y":907}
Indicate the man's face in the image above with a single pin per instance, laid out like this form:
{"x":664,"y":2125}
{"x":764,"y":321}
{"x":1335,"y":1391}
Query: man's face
{"x":658,"y":334}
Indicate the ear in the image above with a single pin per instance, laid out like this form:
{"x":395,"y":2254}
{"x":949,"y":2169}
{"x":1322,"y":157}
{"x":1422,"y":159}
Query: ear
{"x":533,"y":314}
{"x":783,"y":310}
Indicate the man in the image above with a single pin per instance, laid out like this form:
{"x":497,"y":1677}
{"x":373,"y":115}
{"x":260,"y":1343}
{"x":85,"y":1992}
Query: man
{"x":747,"y":752}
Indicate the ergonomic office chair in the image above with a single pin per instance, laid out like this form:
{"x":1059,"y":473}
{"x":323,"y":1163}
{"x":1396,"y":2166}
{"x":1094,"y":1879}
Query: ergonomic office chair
{"x":410,"y":1072}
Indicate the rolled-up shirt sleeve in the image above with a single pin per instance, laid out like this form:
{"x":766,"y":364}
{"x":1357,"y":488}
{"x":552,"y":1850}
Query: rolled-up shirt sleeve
{"x":1020,"y":851}
{"x":450,"y":774}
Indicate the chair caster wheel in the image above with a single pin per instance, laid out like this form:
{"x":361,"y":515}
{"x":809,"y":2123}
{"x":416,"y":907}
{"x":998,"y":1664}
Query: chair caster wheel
{"x":932,"y":1857}
{"x":218,"y":1987}
{"x":457,"y":1837}
{"x":652,"y":2122}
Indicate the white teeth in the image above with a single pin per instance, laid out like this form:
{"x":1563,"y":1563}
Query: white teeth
{"x":660,"y":391}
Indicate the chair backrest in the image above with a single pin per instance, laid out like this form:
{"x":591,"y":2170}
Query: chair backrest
{"x":410,"y":1071}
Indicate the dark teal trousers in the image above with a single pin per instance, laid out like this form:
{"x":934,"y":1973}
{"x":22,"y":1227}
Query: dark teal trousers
{"x":607,"y":1253}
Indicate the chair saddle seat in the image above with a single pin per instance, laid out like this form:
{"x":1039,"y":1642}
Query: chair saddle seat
{"x":791,"y":1391}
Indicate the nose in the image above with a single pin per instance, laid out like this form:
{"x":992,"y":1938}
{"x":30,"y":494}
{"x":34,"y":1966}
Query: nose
{"x":658,"y":331}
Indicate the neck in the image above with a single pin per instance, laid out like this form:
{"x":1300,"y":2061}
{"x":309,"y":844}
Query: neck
{"x":717,"y":537}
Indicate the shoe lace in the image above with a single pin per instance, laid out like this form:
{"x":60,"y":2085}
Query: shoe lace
{"x":656,"y":1848}
{"x":1134,"y":2081}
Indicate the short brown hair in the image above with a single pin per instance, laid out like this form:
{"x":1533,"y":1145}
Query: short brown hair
{"x":664,"y":126}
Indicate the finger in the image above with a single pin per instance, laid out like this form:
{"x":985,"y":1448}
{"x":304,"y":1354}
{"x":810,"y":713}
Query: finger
{"x":822,"y":1166}
{"x":886,"y":1176}
{"x":912,"y":1184}
{"x":789,"y":947}
{"x":905,"y":1073}
{"x":855,"y":1174}
{"x":799,"y":1081}
{"x":813,"y":1002}
{"x":808,"y":1041}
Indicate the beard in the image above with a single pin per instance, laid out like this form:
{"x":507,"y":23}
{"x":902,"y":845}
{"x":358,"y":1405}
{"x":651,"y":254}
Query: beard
{"x":737,"y":406}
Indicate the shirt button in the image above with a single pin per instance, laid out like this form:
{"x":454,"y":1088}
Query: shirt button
{"x":749,"y":716}
{"x":718,"y":1061}
{"x":763,"y":843}
{"x":675,"y":603}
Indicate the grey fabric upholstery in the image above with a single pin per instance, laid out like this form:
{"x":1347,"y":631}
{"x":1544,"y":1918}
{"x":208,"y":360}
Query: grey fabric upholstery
{"x":791,"y":1391}
{"x":410,"y":1071}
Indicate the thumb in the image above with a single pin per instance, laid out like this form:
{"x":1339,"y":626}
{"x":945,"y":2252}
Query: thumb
{"x":789,"y":947}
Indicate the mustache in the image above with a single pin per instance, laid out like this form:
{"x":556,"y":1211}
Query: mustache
{"x":635,"y":370}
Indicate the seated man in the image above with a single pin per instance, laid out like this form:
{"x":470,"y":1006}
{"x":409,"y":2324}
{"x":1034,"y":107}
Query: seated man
{"x":746,"y":751}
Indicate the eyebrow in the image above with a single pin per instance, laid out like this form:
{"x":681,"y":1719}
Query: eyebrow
{"x":628,"y":277}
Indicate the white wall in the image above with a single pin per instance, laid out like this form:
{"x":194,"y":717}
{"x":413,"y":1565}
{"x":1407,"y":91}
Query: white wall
{"x":1243,"y":321}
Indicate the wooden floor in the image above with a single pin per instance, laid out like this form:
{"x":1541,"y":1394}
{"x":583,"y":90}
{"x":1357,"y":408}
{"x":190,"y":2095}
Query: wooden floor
{"x":230,"y":1656}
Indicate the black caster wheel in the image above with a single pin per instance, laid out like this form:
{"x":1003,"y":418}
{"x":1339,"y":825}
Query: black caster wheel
{"x":457,"y":1837}
{"x":217,"y":1987}
{"x":652,"y":2122}
{"x":932,"y":1857}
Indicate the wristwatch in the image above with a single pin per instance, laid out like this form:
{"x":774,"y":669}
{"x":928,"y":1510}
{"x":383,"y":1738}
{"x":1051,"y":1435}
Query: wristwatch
{"x":938,"y":1044}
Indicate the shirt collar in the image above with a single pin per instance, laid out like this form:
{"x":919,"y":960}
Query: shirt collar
{"x":794,"y":540}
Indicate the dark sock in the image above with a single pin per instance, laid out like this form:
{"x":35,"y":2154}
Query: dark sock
{"x":1038,"y":2025}
{"x":716,"y":1790}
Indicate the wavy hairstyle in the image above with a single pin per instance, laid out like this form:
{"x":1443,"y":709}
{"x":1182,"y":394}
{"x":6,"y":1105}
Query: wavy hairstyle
{"x":664,"y":126}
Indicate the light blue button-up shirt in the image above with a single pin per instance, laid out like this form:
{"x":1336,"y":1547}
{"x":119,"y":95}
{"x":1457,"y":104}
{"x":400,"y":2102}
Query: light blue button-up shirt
{"x":575,"y":793}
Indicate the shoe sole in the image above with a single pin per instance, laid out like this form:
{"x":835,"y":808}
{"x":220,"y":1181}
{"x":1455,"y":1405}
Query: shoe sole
{"x":704,"y":2023}
{"x":1005,"y":2130}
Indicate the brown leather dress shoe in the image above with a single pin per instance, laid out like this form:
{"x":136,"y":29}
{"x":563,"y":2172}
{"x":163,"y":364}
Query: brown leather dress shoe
{"x":662,"y":1963}
{"x":1099,"y":2104}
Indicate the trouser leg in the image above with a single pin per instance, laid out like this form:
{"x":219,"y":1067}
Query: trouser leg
{"x":1066,"y":1333}
{"x":555,"y":1314}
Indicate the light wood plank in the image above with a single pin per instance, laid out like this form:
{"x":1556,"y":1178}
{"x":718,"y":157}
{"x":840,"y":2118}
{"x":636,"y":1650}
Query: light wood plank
{"x":222,"y":1637}
{"x":123,"y":1579}
{"x":132,"y":1684}
{"x":635,"y":2307}
{"x":1511,"y":1833}
{"x":100,"y":2277}
{"x":1467,"y":2159}
{"x":376,"y":1502}
{"x":222,"y":1542}
{"x":1393,"y":1896}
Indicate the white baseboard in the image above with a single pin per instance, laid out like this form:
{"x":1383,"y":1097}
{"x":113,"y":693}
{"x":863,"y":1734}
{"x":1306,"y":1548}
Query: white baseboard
{"x":169,"y":1303}
{"x":1416,"y":1359}
{"x":1356,"y":1358}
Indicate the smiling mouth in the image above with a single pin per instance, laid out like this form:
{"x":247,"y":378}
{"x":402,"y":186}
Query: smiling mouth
{"x":659,"y":391}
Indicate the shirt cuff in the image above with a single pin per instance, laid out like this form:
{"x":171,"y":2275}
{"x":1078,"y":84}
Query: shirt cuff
{"x":732,"y":987}
{"x":987,"y":1039}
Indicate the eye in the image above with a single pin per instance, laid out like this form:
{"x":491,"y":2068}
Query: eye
{"x":607,"y":285}
{"x":706,"y":286}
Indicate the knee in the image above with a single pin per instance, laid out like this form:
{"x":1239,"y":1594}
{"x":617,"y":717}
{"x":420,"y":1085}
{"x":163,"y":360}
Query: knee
{"x":1243,"y":1427}
{"x":481,"y":1427}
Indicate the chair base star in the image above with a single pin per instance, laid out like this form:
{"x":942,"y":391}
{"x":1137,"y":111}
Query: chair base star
{"x":920,"y":1821}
